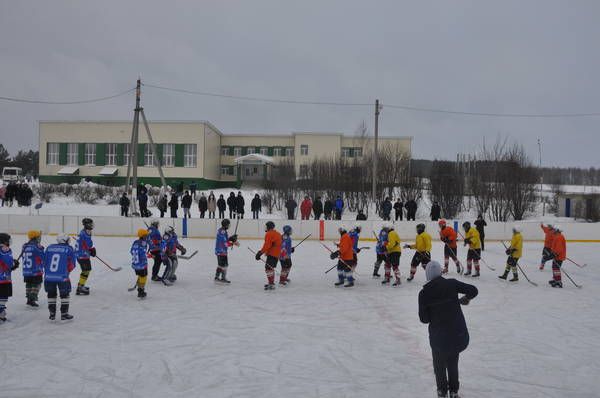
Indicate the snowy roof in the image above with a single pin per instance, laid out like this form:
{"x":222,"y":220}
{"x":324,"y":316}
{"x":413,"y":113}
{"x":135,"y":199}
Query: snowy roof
{"x":68,"y":171}
{"x":108,"y":171}
{"x":254,"y":157}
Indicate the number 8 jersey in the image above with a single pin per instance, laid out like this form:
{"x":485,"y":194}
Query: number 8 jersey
{"x":59,"y":261}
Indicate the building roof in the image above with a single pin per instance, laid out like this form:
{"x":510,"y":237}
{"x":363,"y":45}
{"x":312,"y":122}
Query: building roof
{"x":254,"y":157}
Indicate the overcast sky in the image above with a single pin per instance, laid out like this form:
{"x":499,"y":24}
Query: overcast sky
{"x":477,"y":56}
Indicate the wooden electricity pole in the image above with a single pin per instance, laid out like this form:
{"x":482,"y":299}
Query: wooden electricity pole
{"x":375,"y":153}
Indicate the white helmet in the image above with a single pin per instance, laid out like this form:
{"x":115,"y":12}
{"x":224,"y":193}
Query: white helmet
{"x":357,"y":227}
{"x":516,"y":228}
{"x":557,"y":228}
{"x":63,"y":239}
{"x":343,"y":227}
{"x":387,"y":226}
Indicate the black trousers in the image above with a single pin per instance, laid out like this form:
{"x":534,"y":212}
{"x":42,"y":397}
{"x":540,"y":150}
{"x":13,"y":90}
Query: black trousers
{"x":398,"y":215}
{"x":445,"y":367}
{"x":482,"y":239}
{"x":255,"y":214}
{"x":221,"y":213}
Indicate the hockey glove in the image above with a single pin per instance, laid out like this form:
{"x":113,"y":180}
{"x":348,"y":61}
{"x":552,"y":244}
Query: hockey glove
{"x":464,"y":300}
{"x":15,"y":264}
{"x":406,"y":246}
{"x":258,"y":254}
{"x":293,"y":250}
{"x":233,"y":238}
{"x":334,"y":255}
{"x":358,"y":250}
{"x":183,"y":250}
{"x":93,"y":252}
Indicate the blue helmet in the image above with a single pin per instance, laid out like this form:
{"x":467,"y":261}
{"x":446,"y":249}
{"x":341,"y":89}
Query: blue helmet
{"x":287,"y":230}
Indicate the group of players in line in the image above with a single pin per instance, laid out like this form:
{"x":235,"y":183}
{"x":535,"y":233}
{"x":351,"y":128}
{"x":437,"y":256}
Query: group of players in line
{"x":53,"y":265}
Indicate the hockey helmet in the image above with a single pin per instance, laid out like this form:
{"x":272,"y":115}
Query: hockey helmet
{"x":4,"y":239}
{"x":287,"y":229}
{"x":34,"y":234}
{"x":386,"y":226}
{"x":442,"y":223}
{"x":225,"y":223}
{"x":154,"y":223}
{"x":357,"y":227}
{"x":88,"y":223}
{"x":342,"y":228}
{"x":269,"y":225}
{"x":142,"y":233}
{"x":466,"y":225}
{"x":420,"y":228}
{"x":516,"y":228}
{"x":557,"y":228}
{"x":63,"y":239}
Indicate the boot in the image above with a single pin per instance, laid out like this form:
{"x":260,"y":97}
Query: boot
{"x":349,"y":284}
{"x":467,"y":272}
{"x":397,"y":283}
{"x":141,"y":293}
{"x":66,"y":317}
{"x":81,"y":291}
{"x":476,"y":274}
{"x":503,"y":276}
{"x":515,"y":278}
{"x":385,"y":281}
{"x":410,"y":278}
{"x":52,"y":316}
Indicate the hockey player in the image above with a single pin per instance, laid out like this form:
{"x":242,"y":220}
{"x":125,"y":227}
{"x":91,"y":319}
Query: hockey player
{"x":7,"y":265}
{"x":59,"y":261}
{"x":272,"y":248}
{"x":139,"y":260}
{"x":423,"y":251}
{"x":154,"y":240}
{"x":514,"y":253}
{"x":222,"y":243}
{"x":33,"y":266}
{"x":380,"y":249}
{"x":346,"y":263}
{"x":85,"y":249}
{"x":559,"y":254}
{"x":169,"y":246}
{"x":393,"y":250}
{"x":474,"y":253}
{"x":547,"y":250}
{"x":285,"y":258}
{"x":448,"y":236}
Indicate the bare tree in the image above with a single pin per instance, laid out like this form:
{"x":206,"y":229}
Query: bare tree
{"x":447,"y":187}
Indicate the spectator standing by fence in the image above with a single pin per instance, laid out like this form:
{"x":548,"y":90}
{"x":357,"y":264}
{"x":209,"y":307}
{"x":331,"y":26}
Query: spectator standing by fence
{"x":174,"y":205}
{"x":328,"y":208}
{"x":211,"y":205}
{"x":2,"y":194}
{"x":317,"y":208}
{"x":232,"y":205}
{"x":256,"y":206}
{"x":398,"y":209}
{"x":186,"y":203}
{"x":240,"y":204}
{"x":386,"y":209}
{"x":222,"y":206}
{"x":202,"y":205}
{"x":435,"y":212}
{"x":411,"y":209}
{"x":162,"y":205}
{"x":306,"y":208}
{"x":143,"y":201}
{"x":290,"y":206}
{"x":339,"y":208}
{"x":124,"y":203}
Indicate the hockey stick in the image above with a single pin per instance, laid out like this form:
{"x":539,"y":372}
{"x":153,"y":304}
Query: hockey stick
{"x":307,"y":236}
{"x":342,"y":261}
{"x":571,"y":279}
{"x":520,"y":269}
{"x":579,"y":265}
{"x":480,"y":258}
{"x":237,"y":222}
{"x":253,"y":252}
{"x":117,"y":269}
{"x":187,"y":257}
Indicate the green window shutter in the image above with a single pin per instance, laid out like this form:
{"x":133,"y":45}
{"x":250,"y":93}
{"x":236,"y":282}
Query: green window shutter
{"x":159,"y":151}
{"x":120,"y":154}
{"x":141,"y":150}
{"x":230,"y":151}
{"x":179,"y":148}
{"x":62,"y":153}
{"x":100,"y":154}
{"x":244,"y":150}
{"x":81,"y":154}
{"x":270,"y":151}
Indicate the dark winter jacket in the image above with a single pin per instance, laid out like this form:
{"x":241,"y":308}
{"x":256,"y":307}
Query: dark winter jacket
{"x":256,"y":204}
{"x":435,"y":212}
{"x":291,"y":205}
{"x":398,"y":207}
{"x":202,"y":203}
{"x":386,"y":208}
{"x":339,"y":205}
{"x":440,"y":308}
{"x":124,"y":201}
{"x":162,"y":204}
{"x":239,"y":204}
{"x":174,"y":203}
{"x":231,"y":202}
{"x":411,"y":206}
{"x":318,"y":207}
{"x":328,"y":208}
{"x":143,"y":199}
{"x":361,"y":217}
{"x":186,"y":201}
{"x":221,"y":204}
{"x":479,"y":225}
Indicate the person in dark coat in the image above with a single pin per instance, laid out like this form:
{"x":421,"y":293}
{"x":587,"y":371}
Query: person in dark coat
{"x":239,"y":205}
{"x":328,"y":209}
{"x":256,"y":206}
{"x":339,"y":208}
{"x":27,"y":195}
{"x":174,"y":205}
{"x":162,"y":205}
{"x":317,"y":208}
{"x":202,"y":205}
{"x":361,"y":216}
{"x":222,"y":206}
{"x":480,"y":225}
{"x":411,"y":209}
{"x":11,"y":191}
{"x":398,"y":208}
{"x":291,"y":205}
{"x":124,"y":203}
{"x":439,"y":306}
{"x":231,"y":204}
{"x":436,"y":211}
{"x":386,"y":209}
{"x":186,"y":203}
{"x":143,"y":201}
{"x":141,"y":188}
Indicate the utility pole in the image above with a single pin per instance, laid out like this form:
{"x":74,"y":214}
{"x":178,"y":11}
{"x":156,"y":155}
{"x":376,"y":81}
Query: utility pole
{"x":543,"y":199}
{"x":375,"y":153}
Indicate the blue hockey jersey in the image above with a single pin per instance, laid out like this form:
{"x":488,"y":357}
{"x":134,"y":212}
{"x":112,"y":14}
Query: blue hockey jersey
{"x":354,"y":235}
{"x":59,"y":261}
{"x":222,"y":242}
{"x":154,"y":239}
{"x":286,"y":247}
{"x":6,"y":264}
{"x":138,"y":251}
{"x":381,"y":242}
{"x":83,"y":245}
{"x":33,"y":259}
{"x":169,"y":245}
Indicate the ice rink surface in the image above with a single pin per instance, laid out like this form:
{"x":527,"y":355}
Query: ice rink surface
{"x":198,"y":339}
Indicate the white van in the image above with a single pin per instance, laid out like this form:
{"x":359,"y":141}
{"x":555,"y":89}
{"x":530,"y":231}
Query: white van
{"x":12,"y":174}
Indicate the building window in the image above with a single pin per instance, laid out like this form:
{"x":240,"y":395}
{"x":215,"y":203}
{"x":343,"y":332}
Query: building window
{"x":264,"y":151}
{"x":52,"y":149}
{"x":168,"y":155}
{"x":289,"y":152}
{"x":346,"y":152}
{"x":73,"y":154}
{"x":227,"y":170}
{"x":251,"y":150}
{"x":189,"y":155}
{"x":224,"y":151}
{"x":237,"y":151}
{"x":111,"y":154}
{"x":358,"y":152}
{"x":126,"y":153}
{"x":148,"y":156}
{"x":90,"y":154}
{"x":304,"y":150}
{"x":277,"y":152}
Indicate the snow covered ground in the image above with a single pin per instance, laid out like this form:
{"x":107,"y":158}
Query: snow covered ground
{"x":198,"y":339}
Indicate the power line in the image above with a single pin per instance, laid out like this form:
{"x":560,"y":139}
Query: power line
{"x":489,"y":114}
{"x":47,"y":102}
